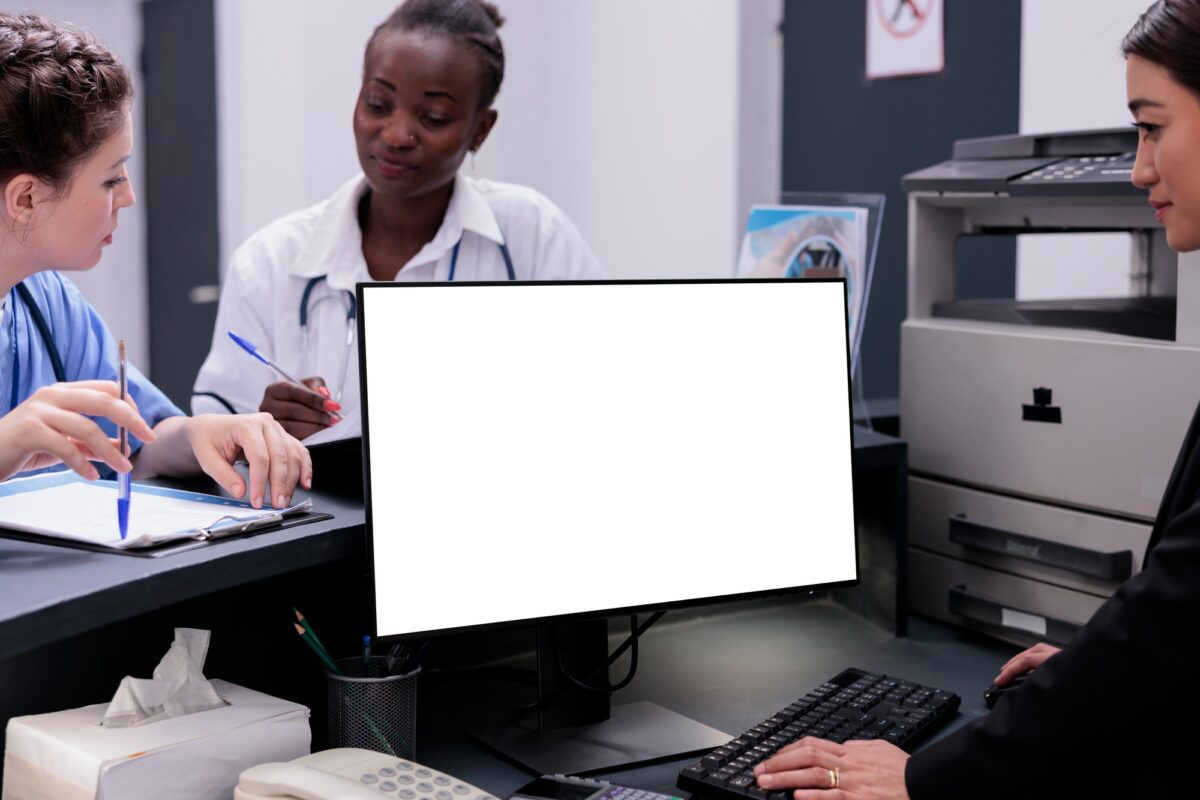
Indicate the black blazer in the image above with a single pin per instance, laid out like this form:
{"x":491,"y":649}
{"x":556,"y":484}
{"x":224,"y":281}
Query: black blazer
{"x":1117,"y":712}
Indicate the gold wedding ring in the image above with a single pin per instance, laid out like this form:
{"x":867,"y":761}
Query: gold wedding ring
{"x":835,"y":778}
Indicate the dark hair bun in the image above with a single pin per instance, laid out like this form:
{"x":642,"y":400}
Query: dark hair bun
{"x":493,"y":12}
{"x":471,"y":22}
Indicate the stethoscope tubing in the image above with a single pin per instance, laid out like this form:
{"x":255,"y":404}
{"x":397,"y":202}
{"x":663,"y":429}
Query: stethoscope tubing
{"x":352,"y":308}
{"x":43,"y":328}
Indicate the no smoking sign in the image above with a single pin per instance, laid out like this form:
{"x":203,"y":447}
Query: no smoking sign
{"x":905,"y":37}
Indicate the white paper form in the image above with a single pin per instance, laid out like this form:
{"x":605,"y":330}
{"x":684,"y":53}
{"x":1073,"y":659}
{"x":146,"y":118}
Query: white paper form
{"x":64,"y":506}
{"x":349,"y":428}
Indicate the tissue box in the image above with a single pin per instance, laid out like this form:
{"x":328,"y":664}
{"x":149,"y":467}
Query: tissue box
{"x":67,"y":755}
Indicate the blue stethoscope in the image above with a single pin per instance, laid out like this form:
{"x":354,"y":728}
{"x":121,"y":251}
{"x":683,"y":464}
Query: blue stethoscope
{"x":39,"y":322}
{"x":352,"y":309}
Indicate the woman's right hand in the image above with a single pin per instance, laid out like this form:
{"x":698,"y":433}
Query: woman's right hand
{"x":1025,"y":661}
{"x":301,"y":412}
{"x":52,"y":427}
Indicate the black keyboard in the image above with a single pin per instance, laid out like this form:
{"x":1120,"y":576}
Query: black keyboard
{"x":854,"y":705}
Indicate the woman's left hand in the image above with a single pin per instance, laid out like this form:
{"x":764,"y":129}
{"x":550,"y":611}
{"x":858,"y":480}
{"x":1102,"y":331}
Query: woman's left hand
{"x":870,"y":770}
{"x":277,"y":460}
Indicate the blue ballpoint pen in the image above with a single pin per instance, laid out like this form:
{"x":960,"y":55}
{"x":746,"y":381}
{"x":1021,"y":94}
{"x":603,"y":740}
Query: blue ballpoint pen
{"x":123,"y":440}
{"x":252,"y":350}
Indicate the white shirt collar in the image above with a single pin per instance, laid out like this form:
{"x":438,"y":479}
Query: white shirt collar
{"x":338,"y":252}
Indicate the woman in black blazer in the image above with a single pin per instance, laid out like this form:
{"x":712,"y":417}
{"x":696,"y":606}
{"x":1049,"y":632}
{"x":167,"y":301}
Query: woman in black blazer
{"x":1116,"y":713}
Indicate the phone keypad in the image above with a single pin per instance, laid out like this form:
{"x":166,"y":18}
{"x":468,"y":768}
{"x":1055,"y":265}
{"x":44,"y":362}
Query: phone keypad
{"x":400,"y":779}
{"x":629,"y":793}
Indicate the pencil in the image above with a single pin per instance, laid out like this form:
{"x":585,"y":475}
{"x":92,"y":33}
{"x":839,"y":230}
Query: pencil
{"x":308,"y":627}
{"x":321,"y":654}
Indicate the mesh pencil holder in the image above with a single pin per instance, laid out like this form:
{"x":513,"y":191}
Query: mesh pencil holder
{"x":375,"y":711}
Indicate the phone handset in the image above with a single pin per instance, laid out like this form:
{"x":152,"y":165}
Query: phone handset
{"x":301,"y":781}
{"x":349,"y":774}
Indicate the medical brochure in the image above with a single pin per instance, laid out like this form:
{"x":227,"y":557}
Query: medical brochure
{"x":813,"y":241}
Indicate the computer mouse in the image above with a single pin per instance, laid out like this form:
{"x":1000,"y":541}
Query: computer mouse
{"x":994,"y":692}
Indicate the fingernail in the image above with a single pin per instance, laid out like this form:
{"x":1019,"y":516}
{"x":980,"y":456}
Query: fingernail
{"x":323,"y":390}
{"x":765,"y":780}
{"x":236,"y":490}
{"x":257,"y":501}
{"x":333,"y":421}
{"x":758,"y":768}
{"x":308,"y":482}
{"x":332,"y":406}
{"x":281,"y":502}
{"x":93,"y":475}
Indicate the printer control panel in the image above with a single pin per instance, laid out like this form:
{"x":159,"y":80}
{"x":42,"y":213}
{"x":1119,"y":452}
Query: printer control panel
{"x":1075,"y":165}
{"x":1069,"y":173}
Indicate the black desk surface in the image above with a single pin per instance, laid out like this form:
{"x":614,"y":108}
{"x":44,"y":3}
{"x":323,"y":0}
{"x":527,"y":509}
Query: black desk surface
{"x":729,"y":667}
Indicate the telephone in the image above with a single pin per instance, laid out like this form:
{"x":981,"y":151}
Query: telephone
{"x":350,"y":774}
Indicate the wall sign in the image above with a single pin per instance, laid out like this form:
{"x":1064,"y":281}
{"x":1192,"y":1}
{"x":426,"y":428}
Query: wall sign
{"x":905,"y":37}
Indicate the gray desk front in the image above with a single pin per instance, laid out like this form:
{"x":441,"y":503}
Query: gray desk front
{"x":53,"y":593}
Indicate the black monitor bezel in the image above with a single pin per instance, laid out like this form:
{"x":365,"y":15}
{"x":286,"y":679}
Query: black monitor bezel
{"x":591,"y":614}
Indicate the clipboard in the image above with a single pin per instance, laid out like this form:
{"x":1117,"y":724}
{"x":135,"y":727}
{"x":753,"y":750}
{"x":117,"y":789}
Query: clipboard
{"x":64,"y":510}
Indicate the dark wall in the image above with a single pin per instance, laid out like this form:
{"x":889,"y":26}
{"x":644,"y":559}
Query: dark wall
{"x":180,"y":101}
{"x":843,"y":133}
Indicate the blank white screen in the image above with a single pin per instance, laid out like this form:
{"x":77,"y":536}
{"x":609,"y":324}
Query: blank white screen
{"x":538,"y":450}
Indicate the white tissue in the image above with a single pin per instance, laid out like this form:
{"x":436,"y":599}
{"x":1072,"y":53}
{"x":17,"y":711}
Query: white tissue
{"x":177,"y":688}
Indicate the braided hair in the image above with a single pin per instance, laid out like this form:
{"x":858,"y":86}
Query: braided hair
{"x":471,"y":22}
{"x":61,"y":94}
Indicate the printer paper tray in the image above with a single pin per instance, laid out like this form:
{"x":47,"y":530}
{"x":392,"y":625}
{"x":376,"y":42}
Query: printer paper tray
{"x":1077,"y":418}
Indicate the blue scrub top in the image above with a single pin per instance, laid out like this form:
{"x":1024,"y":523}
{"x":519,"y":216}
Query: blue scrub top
{"x":84,"y":342}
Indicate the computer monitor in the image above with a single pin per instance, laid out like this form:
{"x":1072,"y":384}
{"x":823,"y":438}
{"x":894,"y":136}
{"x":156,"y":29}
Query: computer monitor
{"x":548,"y":451}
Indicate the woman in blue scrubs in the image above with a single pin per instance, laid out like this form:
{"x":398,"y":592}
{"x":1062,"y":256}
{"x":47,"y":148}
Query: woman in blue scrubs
{"x":65,"y":137}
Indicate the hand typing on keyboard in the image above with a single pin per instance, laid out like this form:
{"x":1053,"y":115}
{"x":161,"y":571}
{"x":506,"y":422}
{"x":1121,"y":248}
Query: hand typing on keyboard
{"x":871,"y":769}
{"x":856,"y":721}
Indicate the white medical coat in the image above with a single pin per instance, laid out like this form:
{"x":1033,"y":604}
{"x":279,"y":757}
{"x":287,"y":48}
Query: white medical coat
{"x":261,"y":295}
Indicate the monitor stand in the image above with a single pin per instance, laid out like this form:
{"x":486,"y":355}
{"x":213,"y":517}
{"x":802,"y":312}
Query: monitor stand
{"x":582,"y":733}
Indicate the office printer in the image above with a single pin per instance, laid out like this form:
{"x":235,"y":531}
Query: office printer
{"x":1041,"y":435}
